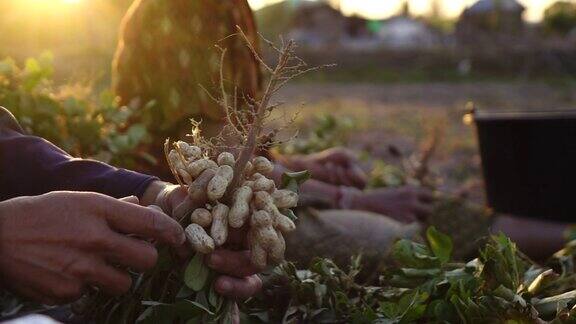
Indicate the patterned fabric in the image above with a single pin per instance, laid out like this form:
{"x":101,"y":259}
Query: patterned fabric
{"x":341,"y":234}
{"x":167,"y":50}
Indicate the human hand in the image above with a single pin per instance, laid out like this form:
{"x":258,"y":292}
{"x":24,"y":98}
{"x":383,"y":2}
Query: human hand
{"x":406,"y":204}
{"x":172,"y":199}
{"x":336,"y":166}
{"x":55,"y":245}
{"x":238,"y":279}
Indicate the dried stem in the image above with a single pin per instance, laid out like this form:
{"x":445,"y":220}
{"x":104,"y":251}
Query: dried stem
{"x":246,"y":126}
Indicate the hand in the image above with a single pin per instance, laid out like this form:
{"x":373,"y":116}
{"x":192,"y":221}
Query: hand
{"x":406,"y":204}
{"x":238,"y":279}
{"x":337,"y":166}
{"x":54,"y":246}
{"x":173,"y":199}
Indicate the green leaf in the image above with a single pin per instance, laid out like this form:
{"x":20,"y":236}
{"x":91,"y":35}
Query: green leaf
{"x":440,"y":243}
{"x":189,"y":309}
{"x":413,"y":255}
{"x":292,"y":180}
{"x":290,"y":214}
{"x":196,"y":273}
{"x":184,"y":292}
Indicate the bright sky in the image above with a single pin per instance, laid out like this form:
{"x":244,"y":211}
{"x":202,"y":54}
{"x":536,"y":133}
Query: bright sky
{"x":450,"y":8}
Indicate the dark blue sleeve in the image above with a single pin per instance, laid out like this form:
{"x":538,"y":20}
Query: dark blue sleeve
{"x":32,"y":166}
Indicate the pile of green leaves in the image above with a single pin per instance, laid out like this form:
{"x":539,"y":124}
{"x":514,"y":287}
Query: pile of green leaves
{"x":73,"y":117}
{"x":425,"y":286}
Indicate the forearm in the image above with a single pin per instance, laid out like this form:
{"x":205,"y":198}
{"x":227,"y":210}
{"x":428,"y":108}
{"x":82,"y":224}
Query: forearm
{"x":537,"y":238}
{"x":33,"y":166}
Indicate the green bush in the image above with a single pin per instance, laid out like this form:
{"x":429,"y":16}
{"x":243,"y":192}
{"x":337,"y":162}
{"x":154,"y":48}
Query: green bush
{"x":560,"y":17}
{"x":72,"y":116}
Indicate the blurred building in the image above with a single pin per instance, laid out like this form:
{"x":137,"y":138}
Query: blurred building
{"x":406,"y":32}
{"x":491,"y":21}
{"x":319,"y":25}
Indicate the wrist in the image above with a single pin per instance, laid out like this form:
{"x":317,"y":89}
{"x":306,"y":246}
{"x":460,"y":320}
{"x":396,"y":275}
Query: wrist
{"x":348,"y":197}
{"x":152,"y":192}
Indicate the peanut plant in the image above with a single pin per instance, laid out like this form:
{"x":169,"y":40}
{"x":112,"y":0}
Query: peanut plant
{"x":232,"y":179}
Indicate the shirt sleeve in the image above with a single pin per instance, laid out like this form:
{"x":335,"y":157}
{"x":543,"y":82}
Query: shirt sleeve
{"x":31,"y":166}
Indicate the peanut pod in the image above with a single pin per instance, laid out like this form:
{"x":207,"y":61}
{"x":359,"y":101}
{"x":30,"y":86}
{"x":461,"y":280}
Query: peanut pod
{"x":277,"y":250}
{"x":264,"y":184}
{"x":266,"y":236}
{"x":248,"y":183}
{"x":185,"y":175}
{"x":285,"y":198}
{"x":284,"y":223}
{"x":198,"y":238}
{"x":218,"y":185}
{"x":258,"y":255}
{"x":226,"y":158}
{"x":219,"y":229}
{"x":264,"y":201}
{"x":261,"y":218}
{"x":202,"y":217}
{"x":197,"y":167}
{"x":198,"y":189}
{"x":262,"y":165}
{"x":190,"y":152}
{"x":240,"y":209}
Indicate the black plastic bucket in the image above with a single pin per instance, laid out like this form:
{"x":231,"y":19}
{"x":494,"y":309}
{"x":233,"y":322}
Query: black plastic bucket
{"x":529,"y":162}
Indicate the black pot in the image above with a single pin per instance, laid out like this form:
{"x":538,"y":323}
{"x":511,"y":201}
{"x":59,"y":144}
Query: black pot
{"x":529,"y":162}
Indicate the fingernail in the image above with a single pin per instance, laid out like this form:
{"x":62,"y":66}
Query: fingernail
{"x":225,"y":286}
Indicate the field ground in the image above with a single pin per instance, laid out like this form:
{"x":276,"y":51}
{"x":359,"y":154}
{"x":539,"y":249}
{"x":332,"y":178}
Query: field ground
{"x":404,"y":115}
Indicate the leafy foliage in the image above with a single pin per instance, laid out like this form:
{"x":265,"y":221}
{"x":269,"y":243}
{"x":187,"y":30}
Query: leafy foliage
{"x":72,"y":117}
{"x":501,"y":286}
{"x":560,"y":17}
{"x":328,"y":132}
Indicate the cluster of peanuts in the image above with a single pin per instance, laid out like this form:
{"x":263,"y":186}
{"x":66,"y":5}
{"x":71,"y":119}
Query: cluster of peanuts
{"x":255,"y":203}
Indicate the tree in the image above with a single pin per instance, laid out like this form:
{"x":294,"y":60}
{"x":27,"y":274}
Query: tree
{"x":560,"y":17}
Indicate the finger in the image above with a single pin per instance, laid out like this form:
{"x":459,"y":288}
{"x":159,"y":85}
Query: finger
{"x":131,"y":199}
{"x":99,"y":274}
{"x":233,"y":263}
{"x":426,"y":196}
{"x":341,"y":156}
{"x":34,"y":295}
{"x":342,"y":176}
{"x":183,"y":252}
{"x":130,"y":252}
{"x":44,"y":284}
{"x":145,"y":222}
{"x":358,"y":177}
{"x":238,"y":288}
{"x":330,"y":170}
{"x":184,"y":208}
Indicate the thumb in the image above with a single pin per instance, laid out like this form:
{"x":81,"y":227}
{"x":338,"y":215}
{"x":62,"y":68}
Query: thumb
{"x":131,"y":199}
